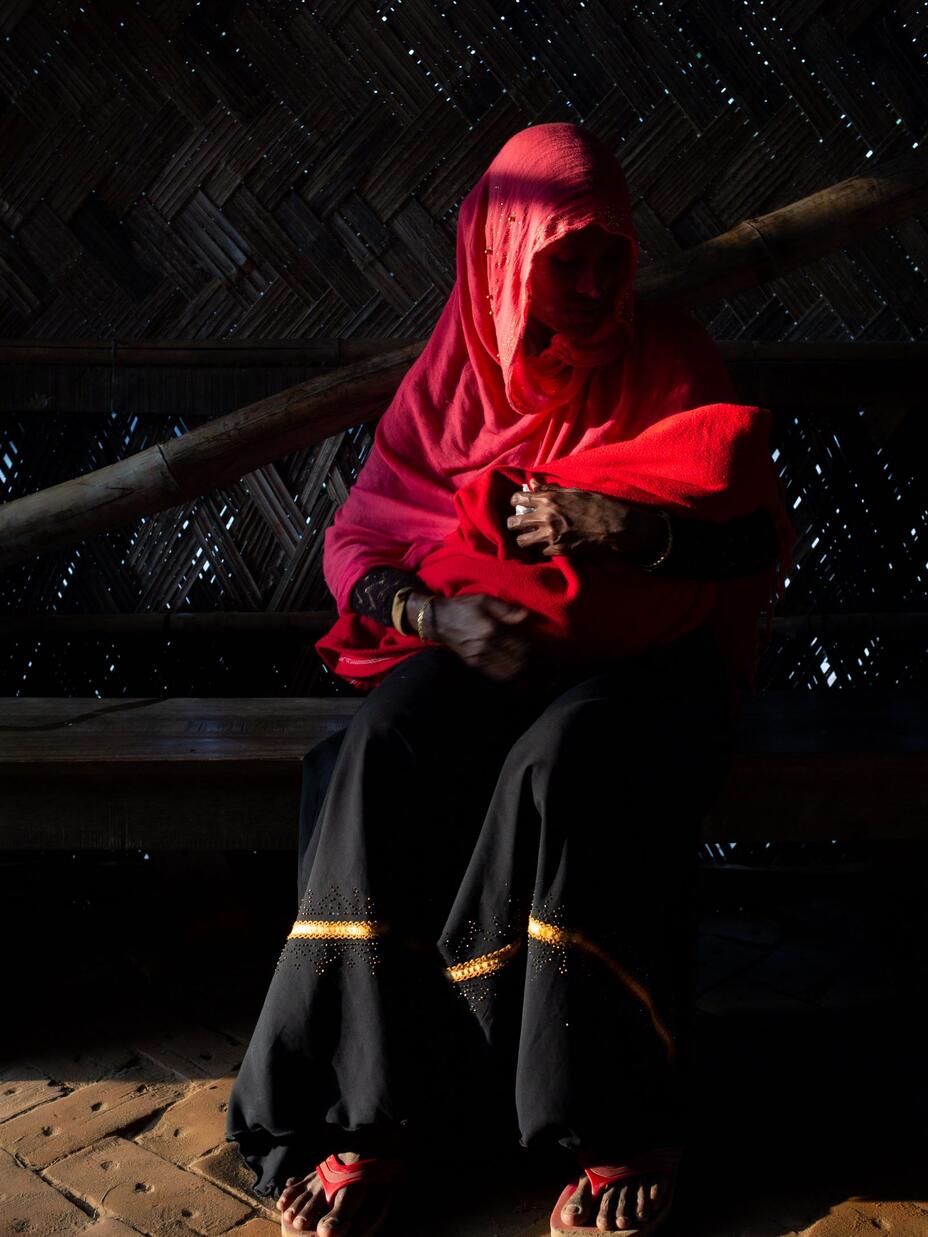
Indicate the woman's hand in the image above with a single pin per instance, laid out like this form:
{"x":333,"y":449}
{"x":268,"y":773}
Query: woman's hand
{"x":565,"y":521}
{"x":484,"y":631}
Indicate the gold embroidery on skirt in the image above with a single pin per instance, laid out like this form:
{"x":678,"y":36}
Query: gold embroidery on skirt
{"x":336,"y":930}
{"x":549,"y":934}
{"x":487,"y":964}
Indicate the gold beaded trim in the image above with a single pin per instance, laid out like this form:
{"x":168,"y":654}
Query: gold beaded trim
{"x":336,"y":930}
{"x":487,"y":964}
{"x":550,"y":934}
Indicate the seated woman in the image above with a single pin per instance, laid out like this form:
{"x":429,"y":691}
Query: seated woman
{"x":548,"y":573}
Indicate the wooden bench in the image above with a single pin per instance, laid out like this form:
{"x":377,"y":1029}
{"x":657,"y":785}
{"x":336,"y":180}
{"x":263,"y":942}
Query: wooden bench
{"x":191,"y":774}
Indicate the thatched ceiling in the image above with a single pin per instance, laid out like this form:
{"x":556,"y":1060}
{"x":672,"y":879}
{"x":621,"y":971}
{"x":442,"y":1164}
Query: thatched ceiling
{"x":287,"y":169}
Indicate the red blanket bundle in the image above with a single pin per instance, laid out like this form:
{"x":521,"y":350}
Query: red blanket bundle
{"x":712,"y":463}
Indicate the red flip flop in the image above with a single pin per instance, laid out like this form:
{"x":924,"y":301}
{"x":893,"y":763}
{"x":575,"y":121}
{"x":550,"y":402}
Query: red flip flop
{"x":335,"y":1175}
{"x":659,"y":1160}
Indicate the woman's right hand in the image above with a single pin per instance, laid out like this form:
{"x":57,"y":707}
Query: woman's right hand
{"x":485,"y":632}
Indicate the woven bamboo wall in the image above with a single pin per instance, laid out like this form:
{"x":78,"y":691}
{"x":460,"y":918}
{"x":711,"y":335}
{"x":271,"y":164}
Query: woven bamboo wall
{"x":293,"y":171}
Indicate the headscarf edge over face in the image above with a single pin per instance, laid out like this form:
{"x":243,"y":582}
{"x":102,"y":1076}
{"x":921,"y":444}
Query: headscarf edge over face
{"x":544,"y":184}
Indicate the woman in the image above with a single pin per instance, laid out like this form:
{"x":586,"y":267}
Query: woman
{"x":549,"y":571}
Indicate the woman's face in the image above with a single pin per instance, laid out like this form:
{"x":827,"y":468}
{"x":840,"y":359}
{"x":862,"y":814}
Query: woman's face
{"x":575,"y":280}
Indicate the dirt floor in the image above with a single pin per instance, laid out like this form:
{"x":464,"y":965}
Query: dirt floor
{"x":132,"y":985}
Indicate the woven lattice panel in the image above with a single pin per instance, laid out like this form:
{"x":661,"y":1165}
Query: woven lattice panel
{"x":856,"y":489}
{"x":293,"y":171}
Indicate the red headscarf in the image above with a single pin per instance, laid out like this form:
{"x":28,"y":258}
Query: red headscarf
{"x":476,"y":415}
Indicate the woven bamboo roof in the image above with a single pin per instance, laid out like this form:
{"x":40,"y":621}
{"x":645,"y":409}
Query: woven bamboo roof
{"x":291,"y":172}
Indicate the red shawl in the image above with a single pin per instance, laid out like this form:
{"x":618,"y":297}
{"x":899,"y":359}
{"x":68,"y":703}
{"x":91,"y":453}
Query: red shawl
{"x":641,"y":410}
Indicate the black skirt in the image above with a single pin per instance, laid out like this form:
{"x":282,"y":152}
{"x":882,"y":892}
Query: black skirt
{"x":495,"y":937}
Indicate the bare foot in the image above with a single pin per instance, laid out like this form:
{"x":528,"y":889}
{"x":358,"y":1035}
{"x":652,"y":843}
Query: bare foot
{"x":625,"y":1205}
{"x":358,"y":1208}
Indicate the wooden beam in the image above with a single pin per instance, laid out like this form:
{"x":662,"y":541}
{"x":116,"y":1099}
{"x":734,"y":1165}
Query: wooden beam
{"x":331,"y":353}
{"x":197,"y":352}
{"x":167,"y":623}
{"x":238,"y":805}
{"x":820,"y":375}
{"x":193,"y":773}
{"x":898,"y":623}
{"x":771,"y":245}
{"x":231,"y":446}
{"x":825,"y":375}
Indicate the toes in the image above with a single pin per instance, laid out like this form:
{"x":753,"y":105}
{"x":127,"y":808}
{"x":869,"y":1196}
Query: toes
{"x":622,"y":1216}
{"x":625,"y":1205}
{"x":304,"y":1214}
{"x":658,"y":1192}
{"x":345,"y":1205}
{"x":292,"y":1210}
{"x":291,"y":1197}
{"x":575,"y":1211}
{"x":606,"y":1213}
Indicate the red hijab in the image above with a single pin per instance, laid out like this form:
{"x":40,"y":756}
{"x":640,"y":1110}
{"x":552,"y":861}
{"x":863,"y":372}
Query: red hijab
{"x":641,"y":410}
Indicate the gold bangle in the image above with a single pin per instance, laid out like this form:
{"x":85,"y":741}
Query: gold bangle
{"x":420,"y":626}
{"x":667,"y":548}
{"x":398,"y":609}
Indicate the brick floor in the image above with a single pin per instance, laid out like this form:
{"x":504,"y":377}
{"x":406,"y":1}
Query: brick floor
{"x":258,"y":1228}
{"x":146,"y":1192}
{"x":108,"y":1227}
{"x":192,"y":1053}
{"x":89,"y":1057}
{"x":116,"y":1128}
{"x":226,"y":1168}
{"x":902,"y":1219}
{"x":191,"y":1127}
{"x":48,"y":1132}
{"x":22,"y":1088}
{"x":29,"y":1205}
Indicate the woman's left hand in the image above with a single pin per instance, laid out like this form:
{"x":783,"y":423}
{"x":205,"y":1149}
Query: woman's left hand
{"x":565,"y":521}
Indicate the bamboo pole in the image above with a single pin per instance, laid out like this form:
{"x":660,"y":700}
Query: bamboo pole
{"x":224,"y":450}
{"x":231,"y":446}
{"x":769,"y":246}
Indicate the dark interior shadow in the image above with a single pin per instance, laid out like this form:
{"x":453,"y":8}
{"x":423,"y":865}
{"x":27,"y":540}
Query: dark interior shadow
{"x":793,"y":1112}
